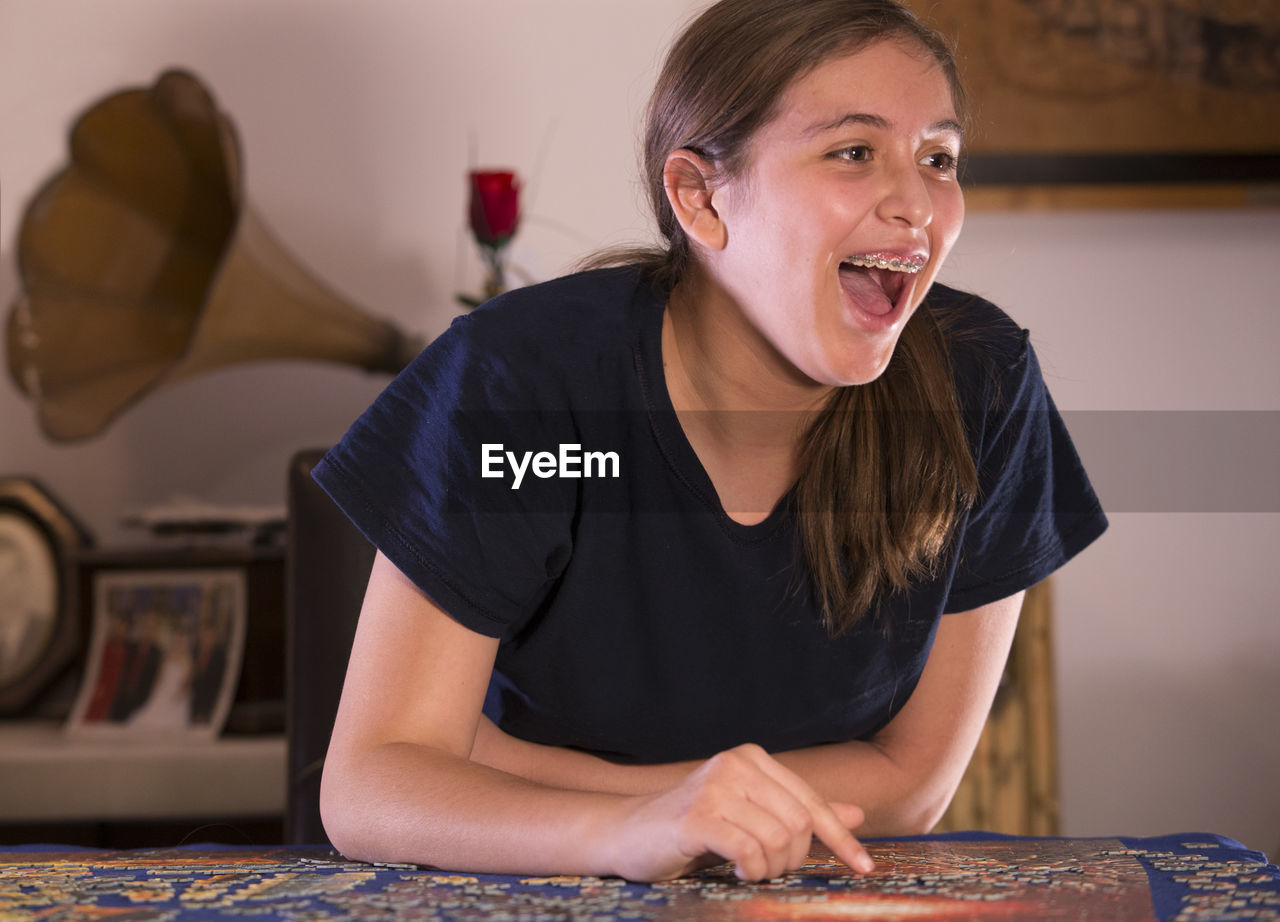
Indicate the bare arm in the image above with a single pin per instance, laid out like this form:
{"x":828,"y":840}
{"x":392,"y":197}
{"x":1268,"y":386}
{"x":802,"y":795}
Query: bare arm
{"x":400,"y":783}
{"x":397,"y":782}
{"x":903,"y":778}
{"x":906,"y":775}
{"x":571,"y":768}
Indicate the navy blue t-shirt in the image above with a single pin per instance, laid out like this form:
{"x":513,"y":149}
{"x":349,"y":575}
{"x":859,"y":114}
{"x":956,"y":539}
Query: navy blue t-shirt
{"x":528,"y":472}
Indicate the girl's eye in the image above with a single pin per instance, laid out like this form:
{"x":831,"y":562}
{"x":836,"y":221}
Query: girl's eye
{"x":943,"y":161}
{"x":855,"y":154}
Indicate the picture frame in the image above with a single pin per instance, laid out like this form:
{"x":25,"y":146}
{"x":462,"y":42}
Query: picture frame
{"x":1118,"y":103}
{"x":165,"y":655}
{"x":39,"y":598}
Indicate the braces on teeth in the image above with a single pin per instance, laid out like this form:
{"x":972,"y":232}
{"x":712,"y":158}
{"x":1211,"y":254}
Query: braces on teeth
{"x":894,"y":264}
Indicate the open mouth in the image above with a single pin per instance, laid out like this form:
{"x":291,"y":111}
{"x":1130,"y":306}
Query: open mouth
{"x":876,"y":281}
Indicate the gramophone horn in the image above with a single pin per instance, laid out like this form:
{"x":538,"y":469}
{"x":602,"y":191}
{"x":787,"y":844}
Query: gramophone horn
{"x":141,"y":265}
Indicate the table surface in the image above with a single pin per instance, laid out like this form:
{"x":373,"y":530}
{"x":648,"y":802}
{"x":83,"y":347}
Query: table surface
{"x":958,"y":876}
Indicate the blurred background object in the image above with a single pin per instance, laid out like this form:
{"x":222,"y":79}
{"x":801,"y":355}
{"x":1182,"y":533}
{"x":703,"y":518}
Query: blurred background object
{"x":40,"y":630}
{"x":493,"y":211}
{"x":142,"y":264}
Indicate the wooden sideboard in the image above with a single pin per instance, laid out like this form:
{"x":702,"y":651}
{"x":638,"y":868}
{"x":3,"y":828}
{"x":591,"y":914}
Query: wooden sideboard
{"x":1011,"y":785}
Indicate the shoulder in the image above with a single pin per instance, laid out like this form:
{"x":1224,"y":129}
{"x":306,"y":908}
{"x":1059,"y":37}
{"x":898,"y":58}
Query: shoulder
{"x":536,"y":343}
{"x":980,"y":337}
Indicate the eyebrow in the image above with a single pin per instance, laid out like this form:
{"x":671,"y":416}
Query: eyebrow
{"x":946,"y":125}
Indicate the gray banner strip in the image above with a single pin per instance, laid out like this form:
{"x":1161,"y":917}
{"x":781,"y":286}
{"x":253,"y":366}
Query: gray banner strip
{"x":1181,"y":460}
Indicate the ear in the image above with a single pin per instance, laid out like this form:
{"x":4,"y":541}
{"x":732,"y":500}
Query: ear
{"x":687,"y":178}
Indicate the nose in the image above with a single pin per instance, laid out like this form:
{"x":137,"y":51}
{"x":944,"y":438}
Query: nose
{"x":905,"y":196}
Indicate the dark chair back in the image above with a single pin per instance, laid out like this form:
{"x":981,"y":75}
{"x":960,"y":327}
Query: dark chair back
{"x":327,"y":567}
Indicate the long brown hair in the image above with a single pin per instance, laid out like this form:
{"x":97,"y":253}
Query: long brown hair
{"x":885,"y":468}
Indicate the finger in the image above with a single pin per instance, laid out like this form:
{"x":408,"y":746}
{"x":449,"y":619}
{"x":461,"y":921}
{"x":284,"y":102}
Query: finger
{"x":850,"y":815}
{"x":742,"y":773}
{"x":732,"y":843}
{"x":792,"y":817}
{"x":800,"y":848}
{"x":834,"y":833}
{"x":827,"y":825}
{"x":808,"y":815}
{"x":780,"y":847}
{"x":837,"y":837}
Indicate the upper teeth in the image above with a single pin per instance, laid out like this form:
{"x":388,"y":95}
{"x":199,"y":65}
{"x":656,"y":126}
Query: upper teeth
{"x":892,"y":263}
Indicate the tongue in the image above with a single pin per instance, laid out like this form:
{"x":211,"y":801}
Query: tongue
{"x":863,"y":288}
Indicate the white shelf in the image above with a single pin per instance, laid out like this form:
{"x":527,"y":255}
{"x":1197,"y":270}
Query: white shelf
{"x":46,"y":776}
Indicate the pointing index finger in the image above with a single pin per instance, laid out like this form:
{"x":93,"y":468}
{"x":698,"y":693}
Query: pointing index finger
{"x":827,"y":826}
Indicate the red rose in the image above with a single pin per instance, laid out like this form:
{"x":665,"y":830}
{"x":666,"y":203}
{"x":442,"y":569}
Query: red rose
{"x":495,"y":206}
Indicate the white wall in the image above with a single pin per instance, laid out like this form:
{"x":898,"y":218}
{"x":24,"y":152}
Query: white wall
{"x":357,"y":123}
{"x":1167,"y":630}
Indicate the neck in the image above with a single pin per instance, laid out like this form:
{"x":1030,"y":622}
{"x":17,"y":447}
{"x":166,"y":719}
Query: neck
{"x":719,"y":368}
{"x":743,"y":407}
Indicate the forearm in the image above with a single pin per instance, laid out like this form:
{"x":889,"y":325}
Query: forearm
{"x":570,"y":768}
{"x":400,"y":802}
{"x":896,"y":802}
{"x":898,"y":798}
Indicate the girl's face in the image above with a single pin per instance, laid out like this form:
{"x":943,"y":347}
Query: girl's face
{"x":846,"y":211}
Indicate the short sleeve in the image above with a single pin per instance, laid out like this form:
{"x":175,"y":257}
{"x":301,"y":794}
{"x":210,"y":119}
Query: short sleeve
{"x":409,"y":474}
{"x":1036,"y":508}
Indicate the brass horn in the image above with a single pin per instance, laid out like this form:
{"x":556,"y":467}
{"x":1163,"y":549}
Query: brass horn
{"x":142,"y":265}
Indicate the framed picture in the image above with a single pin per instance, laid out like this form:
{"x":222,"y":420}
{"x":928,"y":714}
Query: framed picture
{"x":1119,"y":102}
{"x":39,"y":619}
{"x":165,"y":654}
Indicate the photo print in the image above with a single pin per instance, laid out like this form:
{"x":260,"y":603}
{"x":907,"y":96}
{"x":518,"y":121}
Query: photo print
{"x":165,"y":655}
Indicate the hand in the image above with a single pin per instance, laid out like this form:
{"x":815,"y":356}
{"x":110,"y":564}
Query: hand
{"x":742,"y":806}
